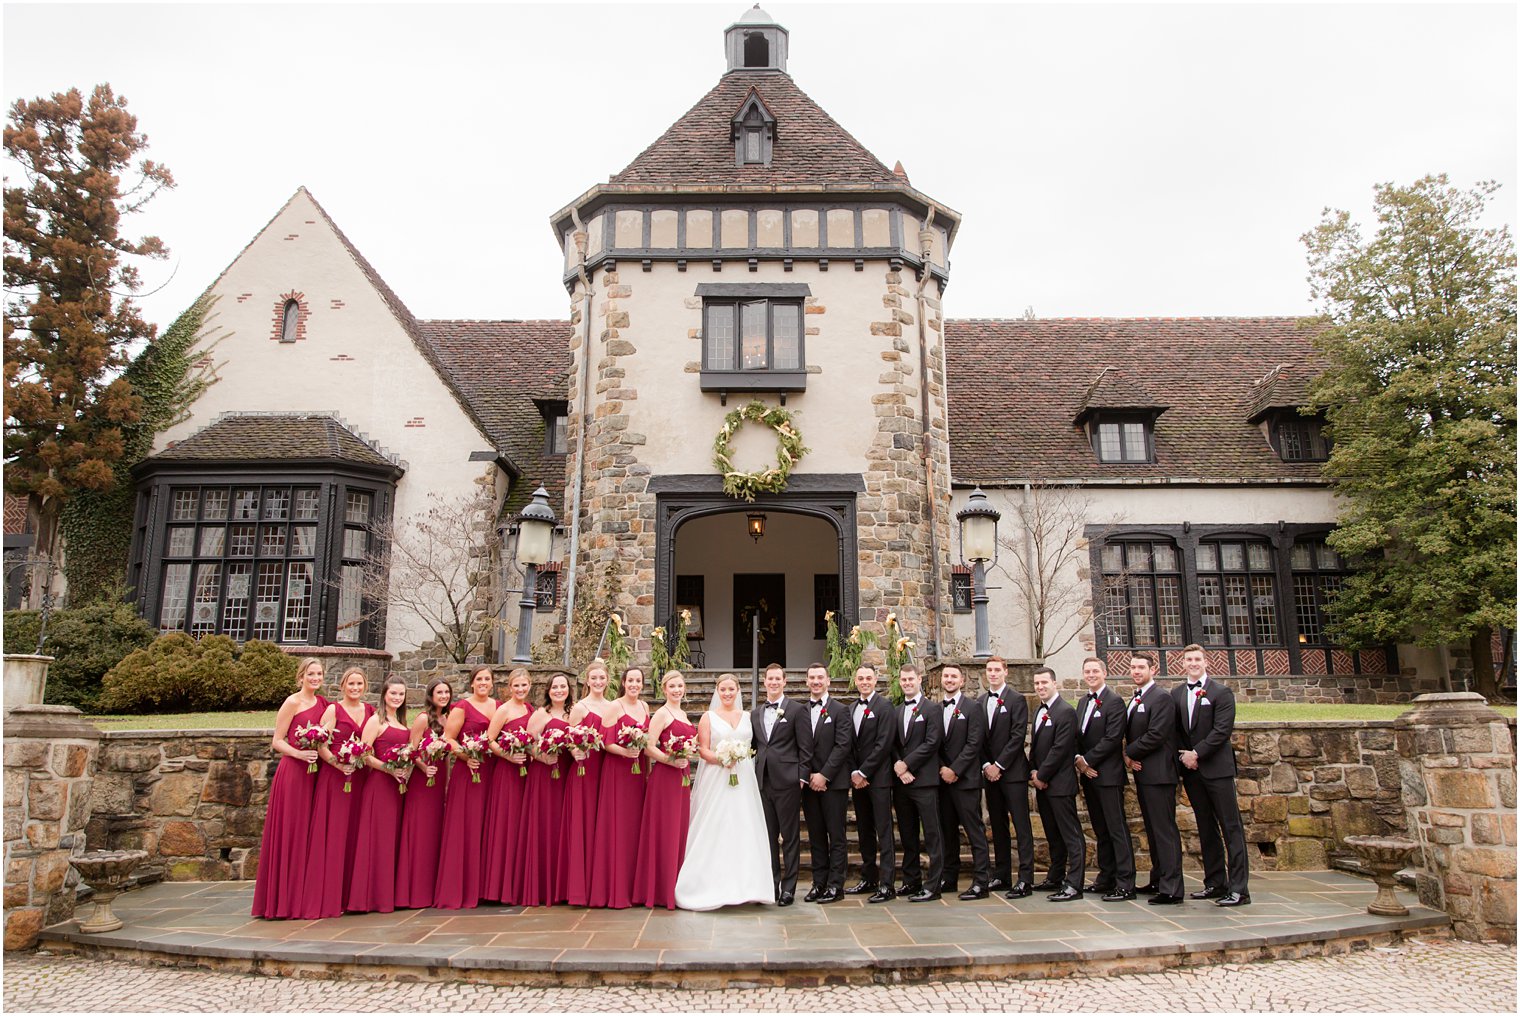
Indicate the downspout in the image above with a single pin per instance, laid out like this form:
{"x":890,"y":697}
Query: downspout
{"x":580,"y":237}
{"x":1029,"y":558}
{"x":926,"y":250}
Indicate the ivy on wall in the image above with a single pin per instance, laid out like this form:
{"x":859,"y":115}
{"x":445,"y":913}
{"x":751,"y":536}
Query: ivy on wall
{"x":168,"y":376}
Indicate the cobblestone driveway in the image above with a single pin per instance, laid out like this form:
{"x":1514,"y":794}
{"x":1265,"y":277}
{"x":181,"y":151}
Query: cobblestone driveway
{"x":1434,"y":976}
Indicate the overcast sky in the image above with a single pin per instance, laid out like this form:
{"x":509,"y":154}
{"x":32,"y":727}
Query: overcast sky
{"x":1107,"y":160}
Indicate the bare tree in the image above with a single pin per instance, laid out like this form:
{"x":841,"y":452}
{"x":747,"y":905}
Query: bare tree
{"x":1046,"y":558}
{"x":438,"y":567}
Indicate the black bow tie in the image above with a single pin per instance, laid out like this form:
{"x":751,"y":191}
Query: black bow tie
{"x":815,"y":703}
{"x":1194,"y":687}
{"x":1093,"y":695}
{"x":865,"y":701}
{"x":911,"y":702}
{"x":773,"y":705}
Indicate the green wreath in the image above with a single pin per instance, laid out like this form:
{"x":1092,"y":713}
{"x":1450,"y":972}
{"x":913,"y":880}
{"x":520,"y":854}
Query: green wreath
{"x":789,"y":449}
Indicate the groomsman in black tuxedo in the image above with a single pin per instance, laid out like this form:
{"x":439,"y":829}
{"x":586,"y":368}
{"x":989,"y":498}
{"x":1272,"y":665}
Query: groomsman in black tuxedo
{"x":1100,"y":761}
{"x":1005,"y":777}
{"x":960,"y":784}
{"x":783,"y":747}
{"x":1053,"y":774}
{"x":1206,"y":715}
{"x":875,"y":723}
{"x":825,"y":798}
{"x":920,"y":729}
{"x":1151,"y":755}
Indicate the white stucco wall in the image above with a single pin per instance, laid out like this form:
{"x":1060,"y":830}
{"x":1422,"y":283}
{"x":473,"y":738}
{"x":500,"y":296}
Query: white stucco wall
{"x":1125,"y":508}
{"x":355,"y":359}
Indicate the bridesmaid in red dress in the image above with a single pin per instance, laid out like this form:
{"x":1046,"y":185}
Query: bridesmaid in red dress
{"x":667,"y":806}
{"x":620,"y":800}
{"x":540,"y":844}
{"x":372,"y":882}
{"x":333,"y":811}
{"x":287,"y":824}
{"x":422,"y":818}
{"x":504,"y":808}
{"x":581,"y":796}
{"x":462,"y":861}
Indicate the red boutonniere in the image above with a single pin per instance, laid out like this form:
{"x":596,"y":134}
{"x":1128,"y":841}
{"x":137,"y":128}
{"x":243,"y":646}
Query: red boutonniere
{"x":867,"y":714}
{"x":1199,"y":693}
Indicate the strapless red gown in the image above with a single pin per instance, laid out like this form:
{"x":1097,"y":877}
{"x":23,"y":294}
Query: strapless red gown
{"x":461,"y":858}
{"x":619,"y":810}
{"x":504,"y":817}
{"x":580,"y":822}
{"x":662,"y":833}
{"x":540,"y":849}
{"x":284,"y":851}
{"x":372,"y":880}
{"x":333,"y":814}
{"x":421,"y":836}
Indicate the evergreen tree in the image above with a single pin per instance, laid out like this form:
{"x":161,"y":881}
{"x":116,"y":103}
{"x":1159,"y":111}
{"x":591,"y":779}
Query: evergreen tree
{"x":69,"y":274}
{"x":1419,"y":394}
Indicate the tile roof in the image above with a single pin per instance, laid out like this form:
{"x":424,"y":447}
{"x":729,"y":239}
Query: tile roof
{"x":1116,"y":388}
{"x":249,"y":437}
{"x":504,"y":369}
{"x":1283,"y":387}
{"x":1015,"y":387}
{"x":810,"y":147}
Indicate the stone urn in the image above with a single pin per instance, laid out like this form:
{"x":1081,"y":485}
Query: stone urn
{"x":105,"y":871}
{"x":25,"y":679}
{"x":1384,"y":856}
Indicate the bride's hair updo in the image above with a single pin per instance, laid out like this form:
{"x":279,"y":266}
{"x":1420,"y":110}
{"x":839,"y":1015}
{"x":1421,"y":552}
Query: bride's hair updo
{"x":727,"y":677}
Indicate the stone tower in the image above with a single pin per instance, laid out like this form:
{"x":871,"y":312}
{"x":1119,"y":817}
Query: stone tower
{"x":757,"y":251}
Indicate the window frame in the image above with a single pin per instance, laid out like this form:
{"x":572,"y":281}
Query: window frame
{"x":1312,"y":436}
{"x":1148,"y":424}
{"x":1123,"y":581}
{"x":769,"y":378}
{"x":1317,"y":574}
{"x":1253,"y":638}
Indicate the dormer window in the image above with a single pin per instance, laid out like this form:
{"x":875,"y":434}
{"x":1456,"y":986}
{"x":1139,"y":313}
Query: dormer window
{"x":556,"y":427}
{"x":754,"y":129}
{"x":1299,"y":438}
{"x":1123,"y":438}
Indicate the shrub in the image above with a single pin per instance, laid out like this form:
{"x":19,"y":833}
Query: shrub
{"x":84,"y":642}
{"x":179,"y":674}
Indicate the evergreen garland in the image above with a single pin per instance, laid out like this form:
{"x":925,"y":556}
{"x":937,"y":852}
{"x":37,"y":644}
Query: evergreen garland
{"x":789,"y":449}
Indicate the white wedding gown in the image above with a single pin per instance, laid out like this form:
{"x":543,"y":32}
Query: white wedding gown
{"x":726,"y":862}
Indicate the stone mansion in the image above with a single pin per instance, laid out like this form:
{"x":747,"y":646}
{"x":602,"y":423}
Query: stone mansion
{"x":1159,"y":469}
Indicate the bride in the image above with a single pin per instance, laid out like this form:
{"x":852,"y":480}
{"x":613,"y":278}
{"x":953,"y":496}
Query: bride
{"x":726,"y":862}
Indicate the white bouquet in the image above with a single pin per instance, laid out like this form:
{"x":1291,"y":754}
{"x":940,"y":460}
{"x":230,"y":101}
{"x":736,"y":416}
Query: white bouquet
{"x":730,"y":753}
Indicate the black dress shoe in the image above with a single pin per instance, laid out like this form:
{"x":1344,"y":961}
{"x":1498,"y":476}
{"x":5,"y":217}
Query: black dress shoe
{"x":861,"y":888}
{"x":923,"y":896}
{"x":812,"y":895}
{"x":910,"y":889}
{"x":1019,"y":891}
{"x":1208,"y":892}
{"x":1119,"y":896}
{"x":949,"y":886}
{"x":1046,"y":886}
{"x":882,"y":895}
{"x":830,"y":896}
{"x":997,"y":885}
{"x":785,"y":900}
{"x":976,"y":892}
{"x":1233,"y":900}
{"x":1093,"y":887}
{"x":1147,"y":889}
{"x":1163,"y":900}
{"x":1066,"y":895}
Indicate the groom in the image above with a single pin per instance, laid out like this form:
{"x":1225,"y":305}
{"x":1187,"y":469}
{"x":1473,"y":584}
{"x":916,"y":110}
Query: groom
{"x":824,"y":802}
{"x":783,"y":747}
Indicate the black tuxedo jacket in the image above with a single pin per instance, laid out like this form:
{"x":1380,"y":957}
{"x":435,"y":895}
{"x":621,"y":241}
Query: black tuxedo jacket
{"x":781,"y":760}
{"x":1102,"y":743}
{"x":961,"y":750}
{"x":875,"y":744}
{"x":833,"y":750}
{"x":1004,"y":743}
{"x":1151,"y":736}
{"x":1212,"y":727}
{"x":1053,"y":749}
{"x":918,"y":748}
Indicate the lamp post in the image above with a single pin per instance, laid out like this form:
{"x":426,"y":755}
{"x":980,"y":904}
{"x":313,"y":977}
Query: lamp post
{"x":535,"y":541}
{"x":979,"y":546}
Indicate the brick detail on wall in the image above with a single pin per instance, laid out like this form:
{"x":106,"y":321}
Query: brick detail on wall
{"x":341,"y":358}
{"x":1276,"y":662}
{"x":335,"y":304}
{"x":244,"y":297}
{"x":1313,"y":661}
{"x":1340,"y":662}
{"x":303,"y":312}
{"x":416,"y":421}
{"x":1373,"y":661}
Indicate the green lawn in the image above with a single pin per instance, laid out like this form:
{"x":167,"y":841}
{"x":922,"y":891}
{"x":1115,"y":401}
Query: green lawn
{"x":1270,"y":711}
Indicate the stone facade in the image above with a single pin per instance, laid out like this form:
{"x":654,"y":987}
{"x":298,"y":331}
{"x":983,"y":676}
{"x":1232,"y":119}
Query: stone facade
{"x":49,"y":751}
{"x":1457,"y":762}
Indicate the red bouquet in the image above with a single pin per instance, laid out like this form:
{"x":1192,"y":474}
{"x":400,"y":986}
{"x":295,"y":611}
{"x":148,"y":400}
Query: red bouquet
{"x":309,"y":738}
{"x":682,"y":747}
{"x":350,"y":753}
{"x":550,"y":743}
{"x":634,"y":739}
{"x":516,"y":741}
{"x":398,"y":760}
{"x":432,"y":749}
{"x":473,"y":746}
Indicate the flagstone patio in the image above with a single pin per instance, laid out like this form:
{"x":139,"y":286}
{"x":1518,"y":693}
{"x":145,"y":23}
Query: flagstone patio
{"x":1292,"y":914}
